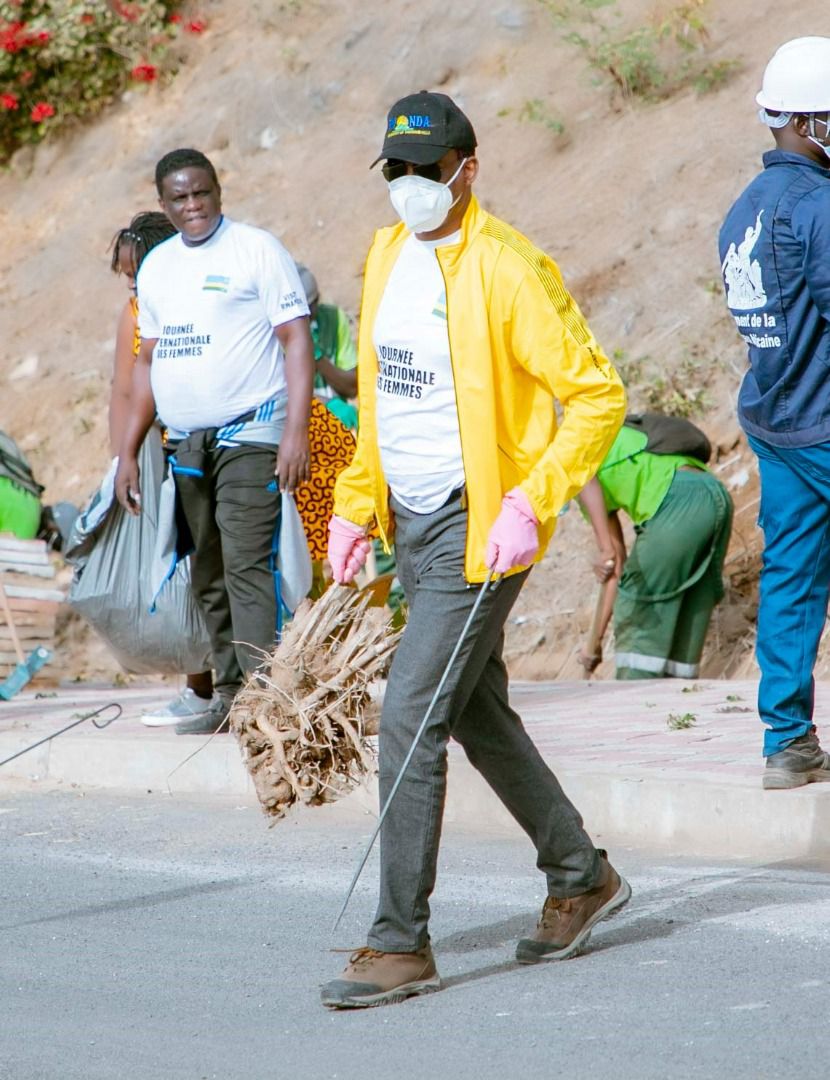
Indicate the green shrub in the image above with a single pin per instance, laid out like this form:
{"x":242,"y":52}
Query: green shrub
{"x":536,"y":111}
{"x":648,"y":62}
{"x":681,"y":390}
{"x":632,"y":61}
{"x":713,"y":76}
{"x":61,"y":60}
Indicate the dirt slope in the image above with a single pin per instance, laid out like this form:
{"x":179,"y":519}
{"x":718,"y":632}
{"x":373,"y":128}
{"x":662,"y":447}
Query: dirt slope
{"x":289,"y":101}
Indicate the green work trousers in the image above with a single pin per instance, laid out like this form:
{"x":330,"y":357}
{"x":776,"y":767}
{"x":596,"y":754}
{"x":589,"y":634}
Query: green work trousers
{"x":672,"y":580}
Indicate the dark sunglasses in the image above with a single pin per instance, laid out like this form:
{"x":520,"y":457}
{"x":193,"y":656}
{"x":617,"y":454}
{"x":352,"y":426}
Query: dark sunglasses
{"x":394,"y":170}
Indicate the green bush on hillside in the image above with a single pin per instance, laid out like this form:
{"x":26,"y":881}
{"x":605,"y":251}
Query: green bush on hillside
{"x":649,"y":62}
{"x":61,"y":60}
{"x":678,"y":390}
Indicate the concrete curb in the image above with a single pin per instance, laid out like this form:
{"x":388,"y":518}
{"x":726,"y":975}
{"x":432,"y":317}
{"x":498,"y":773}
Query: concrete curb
{"x":695,"y":792}
{"x":708,"y":818}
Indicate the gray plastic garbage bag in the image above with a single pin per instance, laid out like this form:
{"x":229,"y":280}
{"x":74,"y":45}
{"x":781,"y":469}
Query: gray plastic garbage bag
{"x":293,"y":558}
{"x":127,"y":583}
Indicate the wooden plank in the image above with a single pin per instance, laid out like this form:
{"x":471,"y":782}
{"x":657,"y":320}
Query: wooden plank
{"x":42,"y":626}
{"x":27,"y":647}
{"x":25,"y":558}
{"x":29,"y":633}
{"x":9,"y":659}
{"x":45,"y":620}
{"x":25,"y":603}
{"x":28,"y":593}
{"x":26,"y":569}
{"x":9,"y":542}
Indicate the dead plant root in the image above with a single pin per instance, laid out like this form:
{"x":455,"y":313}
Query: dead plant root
{"x":303,"y":719}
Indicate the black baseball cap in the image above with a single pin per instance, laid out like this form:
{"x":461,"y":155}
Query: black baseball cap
{"x":422,"y":127}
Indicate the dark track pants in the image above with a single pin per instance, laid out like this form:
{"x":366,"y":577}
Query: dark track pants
{"x":232,"y":512}
{"x":474,"y":709}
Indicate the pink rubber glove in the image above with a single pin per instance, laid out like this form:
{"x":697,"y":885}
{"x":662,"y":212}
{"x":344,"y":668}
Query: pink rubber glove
{"x":348,"y":548}
{"x":513,"y":539}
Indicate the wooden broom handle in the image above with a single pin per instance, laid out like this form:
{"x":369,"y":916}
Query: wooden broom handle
{"x":605,"y":600}
{"x":10,"y":620}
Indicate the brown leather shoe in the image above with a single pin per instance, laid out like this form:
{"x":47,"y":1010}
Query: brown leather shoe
{"x":381,"y":978}
{"x":565,"y":924}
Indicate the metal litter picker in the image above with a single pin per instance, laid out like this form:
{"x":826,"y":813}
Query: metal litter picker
{"x":100,"y":724}
{"x":454,"y":655}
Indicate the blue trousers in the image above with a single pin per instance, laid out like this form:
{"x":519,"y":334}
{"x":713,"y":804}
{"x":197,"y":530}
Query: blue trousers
{"x":795,"y":584}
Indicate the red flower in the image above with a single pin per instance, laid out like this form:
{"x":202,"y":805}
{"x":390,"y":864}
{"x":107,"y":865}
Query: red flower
{"x":26,"y":77}
{"x":9,"y":101}
{"x":42,"y":37}
{"x":130,"y":12}
{"x":175,"y":19}
{"x":145,"y":73}
{"x":13,"y":37}
{"x":42,"y":111}
{"x":87,"y":18}
{"x":196,"y":26}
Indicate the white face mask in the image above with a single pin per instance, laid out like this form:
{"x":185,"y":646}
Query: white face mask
{"x":814,"y":139}
{"x":771,"y":121}
{"x":421,"y":204}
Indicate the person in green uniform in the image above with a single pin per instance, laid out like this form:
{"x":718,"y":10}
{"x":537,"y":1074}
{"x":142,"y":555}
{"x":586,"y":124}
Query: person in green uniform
{"x":335,"y":356}
{"x":20,"y":509}
{"x":671,"y":580}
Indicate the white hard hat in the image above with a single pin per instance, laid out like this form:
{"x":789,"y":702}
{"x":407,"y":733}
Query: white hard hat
{"x":797,"y":78}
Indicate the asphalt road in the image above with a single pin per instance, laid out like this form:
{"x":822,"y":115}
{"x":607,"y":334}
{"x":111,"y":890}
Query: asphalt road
{"x":172,"y":938}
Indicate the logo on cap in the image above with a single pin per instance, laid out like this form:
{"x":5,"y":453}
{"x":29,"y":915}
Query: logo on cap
{"x":409,"y":125}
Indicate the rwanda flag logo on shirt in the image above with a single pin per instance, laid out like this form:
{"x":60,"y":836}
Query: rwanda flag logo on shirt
{"x":216,"y":283}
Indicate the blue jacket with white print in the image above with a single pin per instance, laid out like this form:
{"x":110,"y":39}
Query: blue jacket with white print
{"x":775,"y":260}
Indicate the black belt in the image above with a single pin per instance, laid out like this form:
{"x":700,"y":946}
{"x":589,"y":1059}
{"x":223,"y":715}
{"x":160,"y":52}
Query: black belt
{"x":460,"y":494}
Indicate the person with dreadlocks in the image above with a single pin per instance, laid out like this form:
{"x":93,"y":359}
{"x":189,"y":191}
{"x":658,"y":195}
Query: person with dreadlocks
{"x":129,"y":247}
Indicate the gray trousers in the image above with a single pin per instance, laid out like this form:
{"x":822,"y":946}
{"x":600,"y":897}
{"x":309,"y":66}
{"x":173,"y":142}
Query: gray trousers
{"x":232,"y":511}
{"x":473,"y":709}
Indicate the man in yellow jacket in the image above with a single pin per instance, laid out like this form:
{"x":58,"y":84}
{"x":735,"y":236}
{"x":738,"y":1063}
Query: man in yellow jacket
{"x":466,"y":335}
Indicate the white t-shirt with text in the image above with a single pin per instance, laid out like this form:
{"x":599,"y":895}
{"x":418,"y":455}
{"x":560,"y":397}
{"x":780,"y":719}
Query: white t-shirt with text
{"x":213,"y":309}
{"x":417,"y":414}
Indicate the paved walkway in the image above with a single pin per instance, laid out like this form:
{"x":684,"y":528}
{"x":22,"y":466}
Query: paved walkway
{"x":694,"y":789}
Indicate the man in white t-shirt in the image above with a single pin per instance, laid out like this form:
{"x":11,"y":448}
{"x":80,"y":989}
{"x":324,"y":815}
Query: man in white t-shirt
{"x":226,"y":361}
{"x":466,"y":335}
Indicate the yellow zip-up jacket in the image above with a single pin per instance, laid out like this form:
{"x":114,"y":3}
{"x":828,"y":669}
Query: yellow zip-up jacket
{"x":517,"y":340}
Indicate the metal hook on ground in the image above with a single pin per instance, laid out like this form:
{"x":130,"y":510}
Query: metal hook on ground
{"x":453,"y":656}
{"x":87,"y":716}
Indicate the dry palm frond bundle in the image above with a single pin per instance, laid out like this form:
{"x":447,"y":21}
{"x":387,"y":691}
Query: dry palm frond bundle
{"x":303,"y":718}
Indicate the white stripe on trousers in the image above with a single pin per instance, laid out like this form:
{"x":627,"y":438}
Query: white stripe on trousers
{"x":657,"y":665}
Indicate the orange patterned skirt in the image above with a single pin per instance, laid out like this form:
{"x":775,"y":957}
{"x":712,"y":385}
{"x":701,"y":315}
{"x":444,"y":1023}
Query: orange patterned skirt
{"x":332,"y":448}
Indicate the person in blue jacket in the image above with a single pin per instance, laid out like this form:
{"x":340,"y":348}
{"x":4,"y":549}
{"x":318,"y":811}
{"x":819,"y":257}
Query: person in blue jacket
{"x":775,"y":259}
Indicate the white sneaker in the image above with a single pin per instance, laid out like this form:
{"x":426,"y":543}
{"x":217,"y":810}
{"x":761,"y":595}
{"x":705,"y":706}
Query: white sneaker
{"x":187,"y":706}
